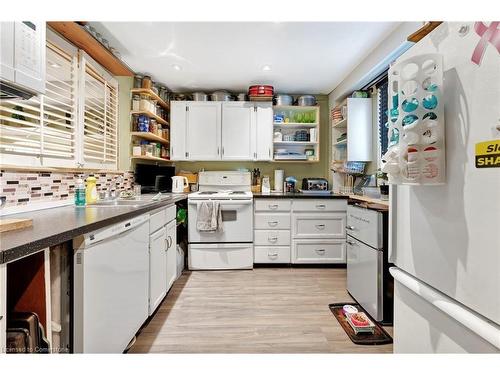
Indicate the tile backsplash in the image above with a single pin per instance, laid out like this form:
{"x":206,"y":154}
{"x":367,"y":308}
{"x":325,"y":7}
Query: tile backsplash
{"x":25,"y":187}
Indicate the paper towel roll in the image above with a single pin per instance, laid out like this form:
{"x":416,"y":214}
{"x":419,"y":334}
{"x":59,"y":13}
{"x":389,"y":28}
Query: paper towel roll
{"x":278,"y":179}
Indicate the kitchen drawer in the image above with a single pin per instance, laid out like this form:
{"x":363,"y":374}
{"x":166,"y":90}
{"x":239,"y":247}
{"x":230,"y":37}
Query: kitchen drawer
{"x":311,"y":251}
{"x":328,"y":225}
{"x":275,"y":254}
{"x":171,"y":212}
{"x":271,"y":237}
{"x":272,"y":205}
{"x":319,"y":205}
{"x":272,"y":221}
{"x":157,"y":219}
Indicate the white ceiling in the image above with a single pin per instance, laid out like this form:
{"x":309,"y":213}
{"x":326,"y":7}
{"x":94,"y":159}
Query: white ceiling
{"x":304,"y":57}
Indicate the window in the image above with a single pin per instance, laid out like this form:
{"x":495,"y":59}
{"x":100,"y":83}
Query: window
{"x":382,"y":87}
{"x":74,"y":124}
{"x":99,"y":120}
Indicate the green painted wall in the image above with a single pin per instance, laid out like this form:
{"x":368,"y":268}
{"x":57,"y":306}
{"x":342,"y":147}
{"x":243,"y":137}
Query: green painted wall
{"x":125,"y":84}
{"x":298,"y":170}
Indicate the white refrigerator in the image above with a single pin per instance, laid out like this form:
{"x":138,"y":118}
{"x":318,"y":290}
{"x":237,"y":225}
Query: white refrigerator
{"x":445,"y":240}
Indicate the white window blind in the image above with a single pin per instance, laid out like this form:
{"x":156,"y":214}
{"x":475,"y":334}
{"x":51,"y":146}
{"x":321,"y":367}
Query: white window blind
{"x":42,"y":130}
{"x":99,"y":119}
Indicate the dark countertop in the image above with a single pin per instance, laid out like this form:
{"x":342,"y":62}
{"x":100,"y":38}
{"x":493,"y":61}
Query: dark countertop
{"x":53,"y":226}
{"x":300,"y":195}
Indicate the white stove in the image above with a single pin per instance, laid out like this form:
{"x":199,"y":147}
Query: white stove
{"x":231,"y":247}
{"x":223,"y":194}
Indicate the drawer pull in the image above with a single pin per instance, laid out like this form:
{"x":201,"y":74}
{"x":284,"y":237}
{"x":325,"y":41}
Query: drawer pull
{"x":321,"y":251}
{"x":272,"y":223}
{"x":272,"y":256}
{"x":273,"y":206}
{"x":320,"y":206}
{"x":350,"y":227}
{"x":272,"y":239}
{"x":350,"y":243}
{"x":320,"y":226}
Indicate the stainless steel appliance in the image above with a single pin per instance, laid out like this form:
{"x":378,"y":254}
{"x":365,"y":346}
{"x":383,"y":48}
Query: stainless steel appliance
{"x":368,"y":278}
{"x":231,"y":247}
{"x":314,"y":183}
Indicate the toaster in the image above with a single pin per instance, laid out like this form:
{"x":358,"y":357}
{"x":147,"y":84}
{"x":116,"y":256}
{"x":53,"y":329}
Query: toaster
{"x":314,"y":183}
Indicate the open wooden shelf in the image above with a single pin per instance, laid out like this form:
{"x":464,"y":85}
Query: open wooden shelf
{"x":151,"y":158}
{"x":79,"y":36}
{"x":340,"y":124}
{"x":150,"y":137}
{"x":295,"y":143}
{"x":150,"y":115}
{"x":295,"y":125}
{"x":297,"y":107}
{"x":153,"y":95}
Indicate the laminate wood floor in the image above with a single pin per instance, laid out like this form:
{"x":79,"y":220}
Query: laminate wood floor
{"x":264,"y":310}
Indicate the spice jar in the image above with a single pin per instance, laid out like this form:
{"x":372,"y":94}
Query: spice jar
{"x":166,"y":134}
{"x":144,"y":104}
{"x":159,"y":131}
{"x":149,"y":149}
{"x":146,"y":82}
{"x":136,"y":149}
{"x":153,"y":126}
{"x":137,"y":81}
{"x":136,"y":100}
{"x":143,"y":123}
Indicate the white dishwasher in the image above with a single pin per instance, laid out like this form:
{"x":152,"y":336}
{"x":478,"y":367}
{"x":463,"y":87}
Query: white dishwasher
{"x":110,"y":286}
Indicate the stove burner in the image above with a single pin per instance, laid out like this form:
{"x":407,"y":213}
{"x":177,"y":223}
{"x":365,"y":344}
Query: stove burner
{"x":207,"y":192}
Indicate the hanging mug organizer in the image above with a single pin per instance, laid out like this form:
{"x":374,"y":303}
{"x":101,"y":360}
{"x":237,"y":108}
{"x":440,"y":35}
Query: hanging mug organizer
{"x":416,"y":153}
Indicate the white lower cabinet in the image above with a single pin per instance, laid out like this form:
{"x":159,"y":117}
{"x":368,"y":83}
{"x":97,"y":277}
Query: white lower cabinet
{"x":157,"y":268}
{"x":300,"y":231}
{"x":318,"y":251}
{"x":321,"y":225}
{"x":272,"y":254}
{"x":171,"y":256}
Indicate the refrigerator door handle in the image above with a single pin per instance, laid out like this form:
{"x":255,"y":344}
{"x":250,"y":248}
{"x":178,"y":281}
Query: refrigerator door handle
{"x":391,"y":246}
{"x":487,"y":329}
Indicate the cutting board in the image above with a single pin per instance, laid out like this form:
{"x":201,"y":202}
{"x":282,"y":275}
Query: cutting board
{"x":14,"y":224}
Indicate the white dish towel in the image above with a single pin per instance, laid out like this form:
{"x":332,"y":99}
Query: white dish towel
{"x":209,"y":217}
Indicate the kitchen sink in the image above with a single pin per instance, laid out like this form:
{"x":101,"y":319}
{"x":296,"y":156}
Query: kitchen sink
{"x":119,"y":203}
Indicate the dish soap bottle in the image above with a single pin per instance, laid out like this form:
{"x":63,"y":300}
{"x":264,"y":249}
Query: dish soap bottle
{"x":80,"y":193}
{"x":91,"y":191}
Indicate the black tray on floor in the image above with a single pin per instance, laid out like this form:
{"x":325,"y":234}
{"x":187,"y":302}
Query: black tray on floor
{"x":380,"y":337}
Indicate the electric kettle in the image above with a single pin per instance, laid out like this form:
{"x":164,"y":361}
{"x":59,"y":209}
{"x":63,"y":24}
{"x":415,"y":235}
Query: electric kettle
{"x":179,"y":183}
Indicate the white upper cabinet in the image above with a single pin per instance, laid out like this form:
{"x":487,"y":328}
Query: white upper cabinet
{"x":238,"y":131}
{"x":263,"y":131}
{"x":359,"y":129}
{"x":221,"y":131}
{"x":7,"y":51}
{"x":22,"y":54}
{"x":178,"y":118}
{"x":203,"y":130}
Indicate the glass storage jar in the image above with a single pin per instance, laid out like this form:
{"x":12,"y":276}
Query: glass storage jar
{"x":146,"y":82}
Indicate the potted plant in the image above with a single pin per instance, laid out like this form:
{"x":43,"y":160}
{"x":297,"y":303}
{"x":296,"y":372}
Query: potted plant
{"x":382,"y":183}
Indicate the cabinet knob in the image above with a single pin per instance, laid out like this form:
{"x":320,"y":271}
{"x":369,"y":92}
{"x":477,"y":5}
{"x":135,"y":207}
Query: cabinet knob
{"x":272,"y":223}
{"x":320,"y":226}
{"x":320,"y":251}
{"x":350,"y":243}
{"x":272,"y":255}
{"x":350,"y":227}
{"x":320,"y":206}
{"x":273,"y":206}
{"x":272,"y":239}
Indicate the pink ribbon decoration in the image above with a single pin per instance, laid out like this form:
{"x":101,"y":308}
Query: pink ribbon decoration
{"x":489,"y":34}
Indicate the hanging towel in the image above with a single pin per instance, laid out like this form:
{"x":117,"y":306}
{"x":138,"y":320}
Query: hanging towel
{"x":209,"y":217}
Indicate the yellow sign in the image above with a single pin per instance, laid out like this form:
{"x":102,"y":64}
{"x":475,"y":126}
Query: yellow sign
{"x":488,"y":154}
